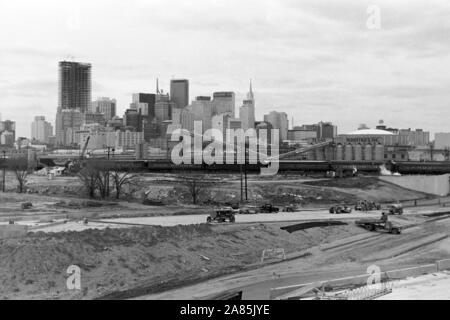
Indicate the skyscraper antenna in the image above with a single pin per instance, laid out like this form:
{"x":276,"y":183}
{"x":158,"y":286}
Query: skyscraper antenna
{"x":157,"y":86}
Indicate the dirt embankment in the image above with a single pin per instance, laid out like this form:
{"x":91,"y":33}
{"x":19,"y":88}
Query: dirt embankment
{"x":151,"y":258}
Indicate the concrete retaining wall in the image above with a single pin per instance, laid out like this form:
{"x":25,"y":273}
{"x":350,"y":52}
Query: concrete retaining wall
{"x":13,"y":231}
{"x":438,"y":185}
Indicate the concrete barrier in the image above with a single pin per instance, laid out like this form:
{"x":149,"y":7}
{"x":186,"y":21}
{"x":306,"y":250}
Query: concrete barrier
{"x":443,"y":264}
{"x":436,"y":184}
{"x":13,"y":231}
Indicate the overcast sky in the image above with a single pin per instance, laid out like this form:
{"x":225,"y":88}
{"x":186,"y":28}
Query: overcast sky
{"x":315,"y":60}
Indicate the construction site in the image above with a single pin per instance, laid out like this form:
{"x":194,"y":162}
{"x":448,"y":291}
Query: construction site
{"x":212,"y":235}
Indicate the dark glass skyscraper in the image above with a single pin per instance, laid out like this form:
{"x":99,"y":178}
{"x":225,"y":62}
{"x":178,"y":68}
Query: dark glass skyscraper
{"x":74,"y":86}
{"x":179,"y":92}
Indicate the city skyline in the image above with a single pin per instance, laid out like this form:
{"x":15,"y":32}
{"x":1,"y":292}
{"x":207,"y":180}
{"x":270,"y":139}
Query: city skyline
{"x":313,"y":61}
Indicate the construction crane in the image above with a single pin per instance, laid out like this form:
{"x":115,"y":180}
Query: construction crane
{"x":83,"y":151}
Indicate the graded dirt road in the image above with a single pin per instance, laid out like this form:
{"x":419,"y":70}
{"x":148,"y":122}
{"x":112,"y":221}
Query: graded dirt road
{"x":310,"y":215}
{"x":338,"y":260}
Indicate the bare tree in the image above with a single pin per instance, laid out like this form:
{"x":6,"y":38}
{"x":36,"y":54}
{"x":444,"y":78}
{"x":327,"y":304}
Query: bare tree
{"x":89,"y":176}
{"x":196,"y":185}
{"x":121,"y":179}
{"x":20,"y":168}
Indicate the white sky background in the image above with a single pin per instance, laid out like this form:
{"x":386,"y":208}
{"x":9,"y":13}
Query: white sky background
{"x":315,"y":60}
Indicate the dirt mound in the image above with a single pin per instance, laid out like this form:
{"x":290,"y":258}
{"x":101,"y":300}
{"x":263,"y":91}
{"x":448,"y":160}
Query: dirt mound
{"x":356,"y":182}
{"x":114,"y":260}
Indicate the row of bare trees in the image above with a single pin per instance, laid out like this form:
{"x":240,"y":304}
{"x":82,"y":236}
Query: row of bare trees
{"x":98,"y":176}
{"x":20,"y":168}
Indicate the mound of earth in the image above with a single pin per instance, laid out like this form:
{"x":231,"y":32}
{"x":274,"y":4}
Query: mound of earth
{"x":150,"y":258}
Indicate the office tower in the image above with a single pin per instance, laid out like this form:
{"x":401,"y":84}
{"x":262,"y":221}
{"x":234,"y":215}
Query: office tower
{"x":74,"y":86}
{"x":221,"y":122}
{"x":9,"y":127}
{"x":106,"y":106}
{"x":149,"y":98}
{"x":247,"y":115}
{"x":179,"y":92}
{"x":278,"y":120}
{"x":41,"y":130}
{"x":183,"y":117}
{"x":67,"y":122}
{"x":202,"y":111}
{"x":94,"y":117}
{"x":133,"y":118}
{"x":163,"y":108}
{"x":224,"y":102}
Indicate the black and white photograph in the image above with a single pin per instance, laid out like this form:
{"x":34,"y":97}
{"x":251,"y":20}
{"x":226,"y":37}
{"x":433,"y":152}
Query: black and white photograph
{"x":253,"y":152}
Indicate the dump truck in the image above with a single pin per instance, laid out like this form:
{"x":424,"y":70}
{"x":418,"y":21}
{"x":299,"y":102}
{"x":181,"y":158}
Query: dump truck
{"x":378,"y":225}
{"x":221,"y":215}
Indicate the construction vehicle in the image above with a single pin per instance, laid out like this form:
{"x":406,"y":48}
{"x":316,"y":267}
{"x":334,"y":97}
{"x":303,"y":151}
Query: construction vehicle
{"x":248,"y":210}
{"x":268,"y":208}
{"x":340,"y":209}
{"x":364,"y":205}
{"x":221,"y":215}
{"x":290,"y":208}
{"x":395,"y":208}
{"x":379,"y":225}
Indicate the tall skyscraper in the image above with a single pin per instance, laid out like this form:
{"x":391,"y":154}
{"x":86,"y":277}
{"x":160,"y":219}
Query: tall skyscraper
{"x":179,"y":92}
{"x":106,"y":106}
{"x":247,"y":111}
{"x":74,"y":99}
{"x":41,"y":130}
{"x":74,"y":86}
{"x":247,"y":115}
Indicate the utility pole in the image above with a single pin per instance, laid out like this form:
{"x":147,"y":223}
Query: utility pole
{"x":4,"y":170}
{"x":245,"y":170}
{"x":107,"y":173}
{"x":242,"y":190}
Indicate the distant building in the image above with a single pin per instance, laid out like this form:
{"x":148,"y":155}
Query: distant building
{"x":41,"y":130}
{"x":163,"y":108}
{"x":179,"y":92}
{"x":224,"y":102}
{"x":8,"y":132}
{"x":7,"y":138}
{"x":301,"y":134}
{"x":106,"y":106}
{"x":67,"y":122}
{"x":115,"y":123}
{"x":278,"y":120}
{"x":221,"y":122}
{"x":74,"y":86}
{"x":442,"y":140}
{"x":325,"y":130}
{"x":139,"y":101}
{"x":133,"y":118}
{"x":247,"y":111}
{"x":94,"y":117}
{"x":202,"y":111}
{"x":183,"y":117}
